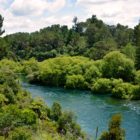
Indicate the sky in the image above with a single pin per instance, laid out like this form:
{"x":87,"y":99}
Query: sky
{"x":32,"y":15}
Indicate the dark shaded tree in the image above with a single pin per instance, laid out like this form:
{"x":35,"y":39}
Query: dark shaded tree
{"x":137,"y":43}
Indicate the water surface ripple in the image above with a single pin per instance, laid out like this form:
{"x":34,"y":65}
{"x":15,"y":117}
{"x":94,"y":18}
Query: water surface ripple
{"x":92,"y":110}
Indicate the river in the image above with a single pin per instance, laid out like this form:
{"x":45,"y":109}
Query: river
{"x":92,"y":111}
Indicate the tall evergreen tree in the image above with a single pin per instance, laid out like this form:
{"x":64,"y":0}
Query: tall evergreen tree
{"x":137,"y":43}
{"x":1,"y":24}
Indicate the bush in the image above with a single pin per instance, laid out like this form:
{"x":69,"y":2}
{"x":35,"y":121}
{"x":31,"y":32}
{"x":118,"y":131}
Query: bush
{"x":126,"y":91}
{"x":102,"y":86}
{"x":68,"y":126}
{"x":56,"y":111}
{"x":28,"y":117}
{"x":136,"y":92}
{"x":30,"y":66}
{"x":117,"y":88}
{"x":117,"y":65}
{"x":137,"y":77}
{"x":92,"y":73}
{"x":123,"y":91}
{"x":20,"y":133}
{"x":76,"y":81}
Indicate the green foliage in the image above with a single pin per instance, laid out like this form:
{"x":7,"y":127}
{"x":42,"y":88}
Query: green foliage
{"x":3,"y":100}
{"x":137,"y":77}
{"x":39,"y":107}
{"x":28,"y":117}
{"x":30,"y":66}
{"x":117,"y":65}
{"x":20,"y":133}
{"x":92,"y":72}
{"x":24,"y":118}
{"x":56,"y":111}
{"x":75,"y":81}
{"x":102,"y":86}
{"x":110,"y":75}
{"x":137,"y":43}
{"x":101,"y":48}
{"x":124,"y":91}
{"x":92,"y":38}
{"x":67,"y":125}
{"x":8,"y":85}
{"x":3,"y":48}
{"x":115,"y":132}
{"x":117,"y":88}
{"x":129,"y":51}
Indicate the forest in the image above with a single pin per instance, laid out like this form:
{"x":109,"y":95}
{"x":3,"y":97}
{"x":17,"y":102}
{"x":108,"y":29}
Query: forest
{"x":91,"y":56}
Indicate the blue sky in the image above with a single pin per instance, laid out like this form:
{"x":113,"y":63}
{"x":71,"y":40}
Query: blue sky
{"x":31,"y":15}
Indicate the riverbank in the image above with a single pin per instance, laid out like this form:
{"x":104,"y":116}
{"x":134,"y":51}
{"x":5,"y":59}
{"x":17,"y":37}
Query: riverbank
{"x":114,"y":74}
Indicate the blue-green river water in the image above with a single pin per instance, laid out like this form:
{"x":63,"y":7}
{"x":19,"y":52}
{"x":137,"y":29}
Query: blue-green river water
{"x":92,"y":110}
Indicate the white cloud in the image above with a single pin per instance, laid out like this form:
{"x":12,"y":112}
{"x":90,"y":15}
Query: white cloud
{"x":35,"y":7}
{"x":113,"y":11}
{"x":27,"y":7}
{"x":31,"y":15}
{"x":56,"y":5}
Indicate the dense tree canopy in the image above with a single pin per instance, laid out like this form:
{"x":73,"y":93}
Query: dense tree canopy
{"x":137,"y":43}
{"x":92,"y":38}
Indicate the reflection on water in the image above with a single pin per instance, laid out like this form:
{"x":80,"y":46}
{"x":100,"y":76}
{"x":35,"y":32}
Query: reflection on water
{"x":92,"y":110}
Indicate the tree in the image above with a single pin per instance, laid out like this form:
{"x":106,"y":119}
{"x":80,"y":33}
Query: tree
{"x":137,"y":43}
{"x":1,"y":24}
{"x":75,"y":20}
{"x":56,"y":111}
{"x":115,"y":132}
{"x":2,"y":42}
{"x":117,"y":65}
{"x":129,"y":51}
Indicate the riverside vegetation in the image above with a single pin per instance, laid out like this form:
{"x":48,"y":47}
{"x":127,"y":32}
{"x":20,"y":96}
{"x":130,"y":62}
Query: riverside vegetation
{"x":113,"y":75}
{"x":91,"y":56}
{"x":25,"y":118}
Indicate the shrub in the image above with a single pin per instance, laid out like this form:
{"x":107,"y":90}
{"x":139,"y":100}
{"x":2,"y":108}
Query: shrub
{"x":20,"y":133}
{"x":117,"y":65}
{"x":56,"y":111}
{"x":28,"y":117}
{"x":92,"y":73}
{"x":102,"y":86}
{"x":137,"y":77}
{"x":75,"y":81}
{"x":124,"y":91}
{"x":68,"y":126}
